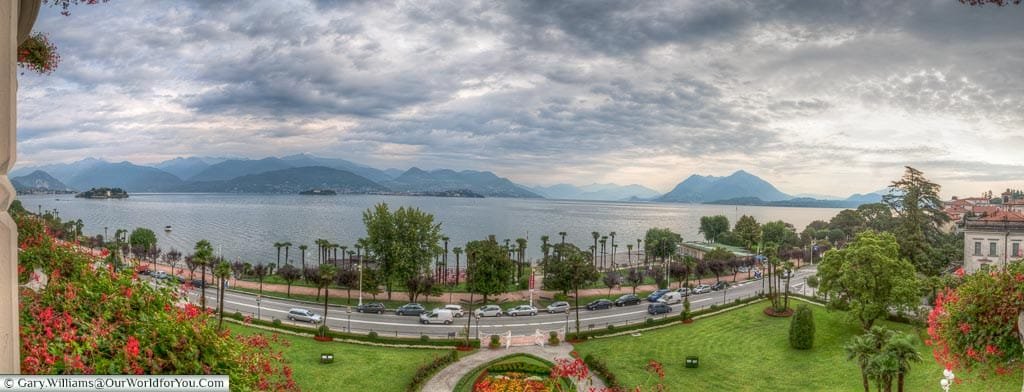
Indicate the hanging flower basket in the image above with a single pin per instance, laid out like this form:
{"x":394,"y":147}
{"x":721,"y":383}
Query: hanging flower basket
{"x":38,"y":54}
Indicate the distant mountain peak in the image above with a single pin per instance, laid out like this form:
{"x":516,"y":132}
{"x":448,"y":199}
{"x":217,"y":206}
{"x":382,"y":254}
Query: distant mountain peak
{"x":739,"y":184}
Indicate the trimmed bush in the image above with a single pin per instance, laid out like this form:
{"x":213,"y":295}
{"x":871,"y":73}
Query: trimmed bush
{"x":238,"y":315}
{"x":424,"y":338}
{"x":495,"y":341}
{"x":520,"y":367}
{"x":424,"y":372}
{"x":372,"y":335}
{"x":611,"y":327}
{"x":276,"y":322}
{"x":801,"y":329}
{"x":553,"y":340}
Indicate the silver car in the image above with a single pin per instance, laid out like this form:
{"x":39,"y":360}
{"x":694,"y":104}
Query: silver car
{"x":522,"y":310}
{"x":702,"y":289}
{"x":304,"y":315}
{"x":488,"y":311}
{"x":558,"y":307}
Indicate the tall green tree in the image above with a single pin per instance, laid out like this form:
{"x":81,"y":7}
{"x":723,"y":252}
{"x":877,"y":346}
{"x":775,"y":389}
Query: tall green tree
{"x":287,"y":245}
{"x":572,"y":271}
{"x":403,"y":241}
{"x":869,"y":277}
{"x":326,"y":277}
{"x":877,"y":216}
{"x":203,"y":255}
{"x":915,"y":201}
{"x":713,"y":226}
{"x":302,"y":251}
{"x":222,"y":272}
{"x":491,"y":266}
{"x":289,"y":274}
{"x":457,"y":251}
{"x":279,"y":245}
{"x":143,"y":239}
{"x":662,"y":243}
{"x":748,"y":231}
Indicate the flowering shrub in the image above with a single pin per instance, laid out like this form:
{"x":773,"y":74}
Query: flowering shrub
{"x":38,"y":54}
{"x":975,"y":325}
{"x":88,"y":318}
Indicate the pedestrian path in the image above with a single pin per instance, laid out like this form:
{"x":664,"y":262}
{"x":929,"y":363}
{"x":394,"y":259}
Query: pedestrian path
{"x":445,"y":380}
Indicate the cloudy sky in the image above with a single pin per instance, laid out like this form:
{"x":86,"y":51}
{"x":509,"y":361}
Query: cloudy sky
{"x":815,"y":96}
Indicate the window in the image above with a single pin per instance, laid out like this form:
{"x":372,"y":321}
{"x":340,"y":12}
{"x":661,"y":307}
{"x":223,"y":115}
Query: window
{"x":1016,"y":249}
{"x":992,"y":249}
{"x":977,"y":248}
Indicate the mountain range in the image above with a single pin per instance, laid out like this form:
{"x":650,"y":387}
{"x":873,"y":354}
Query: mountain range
{"x":301,"y":172}
{"x":700,"y":189}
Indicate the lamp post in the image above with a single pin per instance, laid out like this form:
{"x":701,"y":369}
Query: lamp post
{"x":947,"y":379}
{"x":349,"y":313}
{"x":360,"y":281}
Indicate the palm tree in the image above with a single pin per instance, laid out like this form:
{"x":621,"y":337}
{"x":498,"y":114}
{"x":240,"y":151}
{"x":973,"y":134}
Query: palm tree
{"x":596,"y":235}
{"x":222,"y":271}
{"x":326,"y":273}
{"x":612,"y":235}
{"x":638,"y":248}
{"x":615,"y":248}
{"x":604,"y":242}
{"x":202,"y":256}
{"x":629,"y":254}
{"x":521,"y":246}
{"x":457,"y":251}
{"x":544,"y":245}
{"x":287,"y":245}
{"x":444,"y":258}
{"x":860,"y":349}
{"x":303,"y":248}
{"x":904,"y":351}
{"x":344,"y":252}
{"x":278,"y":245}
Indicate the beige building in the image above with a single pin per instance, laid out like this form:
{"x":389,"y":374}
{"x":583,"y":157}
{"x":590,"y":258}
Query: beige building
{"x":994,"y":240}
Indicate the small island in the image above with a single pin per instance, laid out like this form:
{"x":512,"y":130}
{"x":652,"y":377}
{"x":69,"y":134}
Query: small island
{"x":104,"y":193}
{"x":319,"y":192}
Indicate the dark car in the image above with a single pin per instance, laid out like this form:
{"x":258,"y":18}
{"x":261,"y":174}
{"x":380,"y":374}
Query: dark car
{"x":198,"y":283}
{"x":719,"y":285}
{"x":628,"y":299}
{"x":657,"y":294}
{"x":658,"y":308}
{"x":411,"y":310}
{"x":371,"y":307}
{"x":599,"y":304}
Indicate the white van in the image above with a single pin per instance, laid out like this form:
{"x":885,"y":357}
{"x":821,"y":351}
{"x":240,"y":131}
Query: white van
{"x":671,"y":297}
{"x":438,"y":316}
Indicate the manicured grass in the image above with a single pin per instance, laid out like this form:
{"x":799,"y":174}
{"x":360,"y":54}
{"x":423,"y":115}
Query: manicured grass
{"x":355,"y":368}
{"x":744,"y":350}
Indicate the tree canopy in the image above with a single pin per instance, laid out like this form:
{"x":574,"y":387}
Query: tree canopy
{"x":869,"y":277}
{"x":404,"y":242}
{"x":713,"y":226}
{"x":489,"y":267}
{"x":661,"y":242}
{"x":747,"y":231}
{"x":143,"y":238}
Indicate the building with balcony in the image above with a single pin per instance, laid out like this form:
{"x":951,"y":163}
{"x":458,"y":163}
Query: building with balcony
{"x":993,"y":239}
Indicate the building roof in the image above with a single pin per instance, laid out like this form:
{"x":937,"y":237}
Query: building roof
{"x":985,"y":209}
{"x":1003,"y":216}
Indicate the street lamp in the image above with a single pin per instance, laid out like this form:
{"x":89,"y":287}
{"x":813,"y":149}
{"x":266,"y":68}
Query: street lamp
{"x":360,"y":281}
{"x":947,"y":379}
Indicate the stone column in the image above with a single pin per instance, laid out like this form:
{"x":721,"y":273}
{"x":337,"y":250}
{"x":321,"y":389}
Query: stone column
{"x":9,"y":352}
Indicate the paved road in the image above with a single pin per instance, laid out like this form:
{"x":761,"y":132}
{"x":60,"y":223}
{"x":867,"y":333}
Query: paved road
{"x":340,"y":319}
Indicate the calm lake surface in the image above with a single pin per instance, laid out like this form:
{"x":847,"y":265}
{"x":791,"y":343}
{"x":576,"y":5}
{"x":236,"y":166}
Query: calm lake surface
{"x":244,"y":227}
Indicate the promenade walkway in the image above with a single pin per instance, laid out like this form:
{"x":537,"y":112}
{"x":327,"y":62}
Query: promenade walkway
{"x":445,"y":380}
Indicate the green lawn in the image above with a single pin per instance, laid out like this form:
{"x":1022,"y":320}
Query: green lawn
{"x":355,"y":368}
{"x":744,"y":350}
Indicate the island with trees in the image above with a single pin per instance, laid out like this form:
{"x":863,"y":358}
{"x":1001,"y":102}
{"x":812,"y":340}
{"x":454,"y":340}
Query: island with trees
{"x":103,"y":193}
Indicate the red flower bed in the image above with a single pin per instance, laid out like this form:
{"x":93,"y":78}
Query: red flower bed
{"x":90,"y":319}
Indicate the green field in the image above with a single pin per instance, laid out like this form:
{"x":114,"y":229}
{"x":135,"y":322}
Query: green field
{"x":355,"y":368}
{"x":744,"y":350}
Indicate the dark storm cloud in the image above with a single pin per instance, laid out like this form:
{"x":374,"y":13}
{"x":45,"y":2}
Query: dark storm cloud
{"x":524,"y":87}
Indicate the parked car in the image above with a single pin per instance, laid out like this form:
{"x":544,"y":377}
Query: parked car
{"x":522,"y":310}
{"x":306,"y":315}
{"x":599,"y":304}
{"x":488,"y":311}
{"x":198,"y":283}
{"x":181,"y":278}
{"x":657,"y":294}
{"x":455,"y":309}
{"x":743,"y":268}
{"x":411,"y":309}
{"x":558,"y":307}
{"x":437,"y":316}
{"x":671,"y":297}
{"x":702,"y":289}
{"x":628,"y":299}
{"x":161,"y":275}
{"x":658,"y":308}
{"x":371,"y":307}
{"x":683,"y":291}
{"x":719,"y":285}
{"x":786,"y":274}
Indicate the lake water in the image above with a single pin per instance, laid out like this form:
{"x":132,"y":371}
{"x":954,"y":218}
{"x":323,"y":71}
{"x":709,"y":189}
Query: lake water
{"x":245,"y":227}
